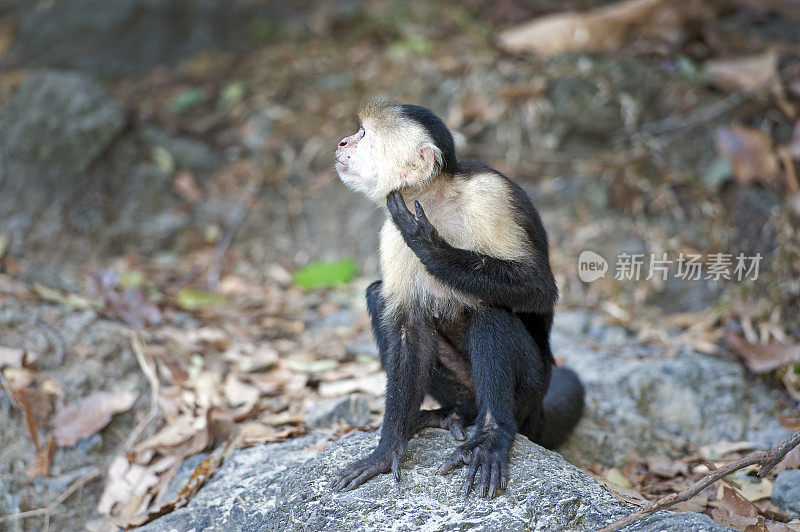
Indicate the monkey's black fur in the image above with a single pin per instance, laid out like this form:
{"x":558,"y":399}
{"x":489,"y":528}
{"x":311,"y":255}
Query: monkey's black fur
{"x":437,"y":130}
{"x":504,"y":345}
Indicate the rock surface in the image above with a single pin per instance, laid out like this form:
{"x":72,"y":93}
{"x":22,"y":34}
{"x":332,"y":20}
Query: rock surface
{"x":59,"y":121}
{"x":786,"y":491}
{"x":639,"y":399}
{"x":273,"y":487}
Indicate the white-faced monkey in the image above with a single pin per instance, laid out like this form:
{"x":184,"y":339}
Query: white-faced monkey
{"x":465,"y":307}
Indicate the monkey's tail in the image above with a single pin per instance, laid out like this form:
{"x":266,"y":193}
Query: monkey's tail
{"x":563,"y":407}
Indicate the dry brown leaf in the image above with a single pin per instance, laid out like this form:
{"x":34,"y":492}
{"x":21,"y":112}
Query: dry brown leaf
{"x":751,"y":490}
{"x":128,"y":488}
{"x":183,"y":429}
{"x":41,"y":464}
{"x":374,"y":384}
{"x":720,"y":450}
{"x":239,"y":393}
{"x":734,"y":504}
{"x":186,"y":187}
{"x":763,"y":357}
{"x":744,"y":73}
{"x":254,"y":433}
{"x":604,"y":29}
{"x":15,"y":358}
{"x":76,"y":422}
{"x":750,"y":153}
{"x":249,"y":357}
{"x":200,"y":475}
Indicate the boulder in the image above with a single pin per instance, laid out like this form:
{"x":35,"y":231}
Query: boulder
{"x":641,"y":399}
{"x":286,"y":487}
{"x":59,"y":121}
{"x":786,"y":491}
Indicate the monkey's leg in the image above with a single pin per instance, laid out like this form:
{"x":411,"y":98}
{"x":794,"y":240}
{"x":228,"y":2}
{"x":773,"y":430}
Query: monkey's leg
{"x":410,"y":350}
{"x":503,"y":358}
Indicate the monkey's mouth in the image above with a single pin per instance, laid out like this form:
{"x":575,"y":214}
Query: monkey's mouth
{"x":341,"y":163}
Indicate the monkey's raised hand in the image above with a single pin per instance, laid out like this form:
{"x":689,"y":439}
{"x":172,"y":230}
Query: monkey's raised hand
{"x":420,"y":235}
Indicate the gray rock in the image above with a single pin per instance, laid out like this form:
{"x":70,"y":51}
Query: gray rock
{"x":59,"y":121}
{"x":269,"y":488}
{"x":354,"y":409}
{"x":786,"y":491}
{"x":639,"y":399}
{"x":119,"y":37}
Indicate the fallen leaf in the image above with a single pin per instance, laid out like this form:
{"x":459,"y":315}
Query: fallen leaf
{"x":254,"y":433}
{"x":249,"y":358}
{"x":239,"y":393}
{"x":51,"y":295}
{"x":744,"y":73}
{"x":128,"y":485}
{"x":200,"y":475}
{"x":41,"y":464}
{"x":760,"y":358}
{"x":733,"y":504}
{"x":749,"y":152}
{"x":186,"y":186}
{"x":15,"y":358}
{"x":325,"y":274}
{"x":604,"y":29}
{"x":722,"y":449}
{"x":76,"y":422}
{"x":194,"y":299}
{"x":373,"y":384}
{"x":750,"y":489}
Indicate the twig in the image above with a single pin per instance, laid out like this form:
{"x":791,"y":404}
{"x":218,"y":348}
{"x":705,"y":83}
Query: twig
{"x":150,"y":373}
{"x":47,"y":510}
{"x":233,"y":223}
{"x":766,"y":459}
{"x":55,"y":339}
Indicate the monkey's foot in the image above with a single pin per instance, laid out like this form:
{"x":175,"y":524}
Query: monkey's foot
{"x":441,"y":418}
{"x":380,"y":461}
{"x":487,"y":451}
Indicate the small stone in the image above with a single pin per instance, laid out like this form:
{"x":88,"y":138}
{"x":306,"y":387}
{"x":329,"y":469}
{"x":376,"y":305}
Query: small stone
{"x":354,"y":409}
{"x":786,"y":491}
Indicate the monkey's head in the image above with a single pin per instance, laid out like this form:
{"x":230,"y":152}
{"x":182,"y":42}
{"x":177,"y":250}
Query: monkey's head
{"x":395,"y":147}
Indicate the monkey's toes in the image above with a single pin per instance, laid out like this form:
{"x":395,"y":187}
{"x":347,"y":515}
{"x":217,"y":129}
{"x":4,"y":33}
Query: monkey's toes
{"x":484,"y":454}
{"x":361,"y":471}
{"x":442,"y":419}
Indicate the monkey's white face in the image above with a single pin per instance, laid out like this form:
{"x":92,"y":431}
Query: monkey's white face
{"x":358,"y":162}
{"x":377,"y":160}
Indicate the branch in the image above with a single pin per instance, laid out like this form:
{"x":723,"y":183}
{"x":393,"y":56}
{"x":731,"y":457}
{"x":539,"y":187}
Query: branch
{"x":766,"y":459}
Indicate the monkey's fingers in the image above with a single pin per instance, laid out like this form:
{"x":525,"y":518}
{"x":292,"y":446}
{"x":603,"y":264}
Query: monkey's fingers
{"x":401,"y":216}
{"x":471,"y":472}
{"x":396,"y":467}
{"x":494,"y":484}
{"x":460,"y":457}
{"x":454,"y":424}
{"x":420,"y":213}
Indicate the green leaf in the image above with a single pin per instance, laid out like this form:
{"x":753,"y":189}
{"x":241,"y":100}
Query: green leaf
{"x":186,"y":99}
{"x":194,"y":299}
{"x":325,"y":274}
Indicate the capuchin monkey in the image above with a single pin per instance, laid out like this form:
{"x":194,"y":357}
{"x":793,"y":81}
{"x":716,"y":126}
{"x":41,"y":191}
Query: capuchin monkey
{"x":465,"y":307}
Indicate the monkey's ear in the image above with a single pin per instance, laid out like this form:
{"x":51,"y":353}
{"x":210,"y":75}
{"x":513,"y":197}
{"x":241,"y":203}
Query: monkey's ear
{"x":424,"y":167}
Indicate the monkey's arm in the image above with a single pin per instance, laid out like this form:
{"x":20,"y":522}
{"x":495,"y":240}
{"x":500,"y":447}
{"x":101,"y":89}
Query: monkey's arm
{"x":522,"y":285}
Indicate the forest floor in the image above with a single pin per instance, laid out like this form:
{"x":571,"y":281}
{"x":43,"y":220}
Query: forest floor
{"x":124,"y":360}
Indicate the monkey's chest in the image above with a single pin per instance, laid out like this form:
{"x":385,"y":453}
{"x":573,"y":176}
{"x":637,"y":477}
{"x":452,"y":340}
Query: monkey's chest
{"x":407,"y":283}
